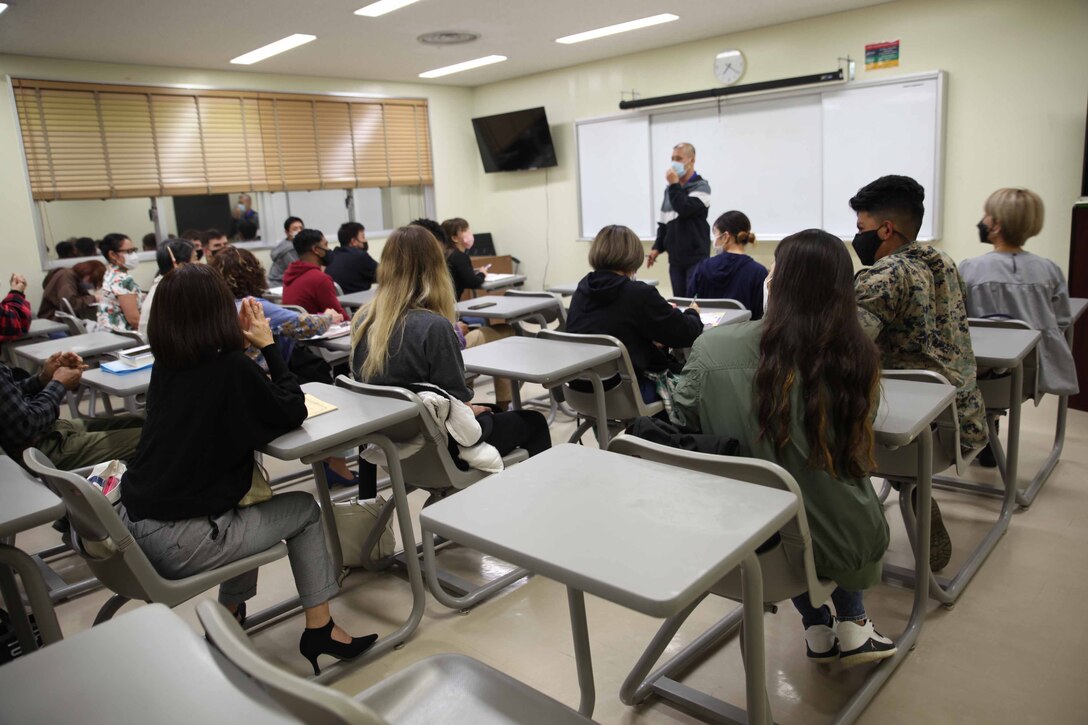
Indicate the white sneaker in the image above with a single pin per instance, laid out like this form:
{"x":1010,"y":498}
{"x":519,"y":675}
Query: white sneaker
{"x":821,"y":644}
{"x":861,"y":643}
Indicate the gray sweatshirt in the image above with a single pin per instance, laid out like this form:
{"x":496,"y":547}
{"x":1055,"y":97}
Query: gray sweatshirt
{"x":423,"y":349}
{"x":282,"y":256}
{"x":1031,"y":288}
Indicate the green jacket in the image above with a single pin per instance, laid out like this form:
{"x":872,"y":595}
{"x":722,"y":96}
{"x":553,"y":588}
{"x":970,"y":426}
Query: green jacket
{"x":716,"y":393}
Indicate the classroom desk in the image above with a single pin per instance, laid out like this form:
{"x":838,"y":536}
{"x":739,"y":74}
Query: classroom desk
{"x":144,"y":666}
{"x":508,"y":280}
{"x":546,"y":362}
{"x":25,"y":503}
{"x":505,"y":308}
{"x":44,"y":328}
{"x":357,"y":420}
{"x":274,"y":294}
{"x":593,"y":529}
{"x":567,"y":289}
{"x":994,"y":348}
{"x":1027,"y":496}
{"x":126,"y":387}
{"x":87,"y":346}
{"x":905,"y":410}
{"x":357,"y":299}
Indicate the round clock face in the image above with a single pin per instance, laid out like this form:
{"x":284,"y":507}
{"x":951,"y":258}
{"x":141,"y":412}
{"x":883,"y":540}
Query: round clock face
{"x":729,"y":66}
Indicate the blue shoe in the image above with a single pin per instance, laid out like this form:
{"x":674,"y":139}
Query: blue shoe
{"x":335,"y":480}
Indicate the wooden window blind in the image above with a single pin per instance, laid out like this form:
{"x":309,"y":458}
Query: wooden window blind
{"x":87,"y":141}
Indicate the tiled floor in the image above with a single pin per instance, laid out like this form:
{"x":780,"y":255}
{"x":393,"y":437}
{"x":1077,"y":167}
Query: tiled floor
{"x":1005,"y":653}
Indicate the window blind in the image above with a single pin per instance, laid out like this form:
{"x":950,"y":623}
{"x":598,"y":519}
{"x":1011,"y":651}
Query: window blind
{"x":88,"y":141}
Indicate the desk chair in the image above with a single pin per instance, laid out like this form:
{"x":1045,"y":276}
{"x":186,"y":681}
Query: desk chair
{"x":431,"y":468}
{"x":723,"y":303}
{"x":76,"y":324}
{"x":441,"y":688}
{"x":623,"y":401}
{"x":787,"y":565}
{"x":101,"y":539}
{"x":296,"y":308}
{"x":901,"y":465}
{"x":558,"y":315}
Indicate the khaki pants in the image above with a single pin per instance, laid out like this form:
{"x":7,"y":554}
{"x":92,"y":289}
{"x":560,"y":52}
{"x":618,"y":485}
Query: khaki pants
{"x":77,"y":443}
{"x":482,"y":335}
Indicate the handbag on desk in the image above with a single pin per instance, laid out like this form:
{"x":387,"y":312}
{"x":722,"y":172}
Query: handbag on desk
{"x":259,"y":488}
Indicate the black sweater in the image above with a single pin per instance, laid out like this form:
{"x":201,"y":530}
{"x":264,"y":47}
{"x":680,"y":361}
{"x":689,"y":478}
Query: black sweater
{"x":612,"y":304}
{"x":464,"y":276}
{"x":353,"y":269}
{"x":195,"y":456}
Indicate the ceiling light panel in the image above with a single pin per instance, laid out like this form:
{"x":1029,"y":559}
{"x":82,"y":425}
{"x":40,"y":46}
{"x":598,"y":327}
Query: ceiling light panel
{"x":618,"y":28}
{"x":267,"y":51}
{"x":459,"y":67}
{"x":382,"y":7}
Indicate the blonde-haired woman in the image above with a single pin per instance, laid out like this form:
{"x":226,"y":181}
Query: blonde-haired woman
{"x":1009,"y":282}
{"x":405,"y":336}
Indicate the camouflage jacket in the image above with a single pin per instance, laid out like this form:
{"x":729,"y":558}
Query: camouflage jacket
{"x":912,"y":303}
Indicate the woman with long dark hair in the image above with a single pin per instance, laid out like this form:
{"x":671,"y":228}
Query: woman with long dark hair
{"x":209,"y":407}
{"x":800,"y":388}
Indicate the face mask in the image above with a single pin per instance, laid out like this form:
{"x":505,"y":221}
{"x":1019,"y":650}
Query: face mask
{"x":719,"y":242}
{"x":323,"y":258}
{"x":679,"y":168}
{"x":865,"y":245}
{"x":241,"y":208}
{"x":132,"y":261}
{"x":983,"y":233}
{"x":468,"y":240}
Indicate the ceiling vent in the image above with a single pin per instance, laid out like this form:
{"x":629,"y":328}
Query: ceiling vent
{"x":448,"y":37}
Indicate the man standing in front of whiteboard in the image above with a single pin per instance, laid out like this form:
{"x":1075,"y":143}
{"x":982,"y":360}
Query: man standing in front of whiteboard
{"x":682,"y":230}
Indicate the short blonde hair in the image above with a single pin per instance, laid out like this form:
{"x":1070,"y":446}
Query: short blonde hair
{"x":616,"y":249}
{"x":1019,"y":212}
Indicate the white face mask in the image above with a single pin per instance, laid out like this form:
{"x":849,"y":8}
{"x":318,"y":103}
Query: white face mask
{"x":132,"y":260}
{"x":468,"y":240}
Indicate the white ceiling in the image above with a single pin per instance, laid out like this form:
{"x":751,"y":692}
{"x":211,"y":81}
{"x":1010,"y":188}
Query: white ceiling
{"x":208,"y":33}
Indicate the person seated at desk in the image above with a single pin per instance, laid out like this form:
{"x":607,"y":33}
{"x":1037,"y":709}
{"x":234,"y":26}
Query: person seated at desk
{"x":305,"y":283}
{"x":121,"y":300}
{"x":456,"y":237}
{"x":245,"y":277}
{"x":29,"y":416}
{"x":799,"y":388}
{"x":911,"y":302}
{"x":77,"y":284}
{"x":284,"y":253}
{"x":213,"y":242}
{"x":610,"y":301}
{"x":195,"y":460}
{"x":732,"y":274}
{"x":1011,"y":283}
{"x":15,"y":312}
{"x":405,"y":336}
{"x":172,"y":253}
{"x":351,"y":266}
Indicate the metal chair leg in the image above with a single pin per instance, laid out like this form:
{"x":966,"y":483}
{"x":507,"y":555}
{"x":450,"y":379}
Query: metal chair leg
{"x":110,"y":608}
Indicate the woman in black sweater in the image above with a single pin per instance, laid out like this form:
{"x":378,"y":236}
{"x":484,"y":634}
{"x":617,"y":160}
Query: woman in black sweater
{"x":209,"y":407}
{"x":609,"y":301}
{"x":456,"y":239}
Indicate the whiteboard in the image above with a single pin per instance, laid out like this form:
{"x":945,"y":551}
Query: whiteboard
{"x":756,"y":156}
{"x":870,"y":132}
{"x":613,"y":184}
{"x":790,"y":161}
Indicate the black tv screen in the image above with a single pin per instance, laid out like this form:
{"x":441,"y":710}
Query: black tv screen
{"x":515,"y":141}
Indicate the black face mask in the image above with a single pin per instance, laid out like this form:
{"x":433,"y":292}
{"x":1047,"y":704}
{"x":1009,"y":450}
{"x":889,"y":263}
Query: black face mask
{"x":865,"y":245}
{"x":983,"y":233}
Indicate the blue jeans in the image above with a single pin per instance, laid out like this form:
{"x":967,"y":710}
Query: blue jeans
{"x":848,"y":608}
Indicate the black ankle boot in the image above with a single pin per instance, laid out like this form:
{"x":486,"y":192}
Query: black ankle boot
{"x":319,"y":641}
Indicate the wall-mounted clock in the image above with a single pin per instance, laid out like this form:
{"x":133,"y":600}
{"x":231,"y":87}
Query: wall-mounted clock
{"x":729,"y":66}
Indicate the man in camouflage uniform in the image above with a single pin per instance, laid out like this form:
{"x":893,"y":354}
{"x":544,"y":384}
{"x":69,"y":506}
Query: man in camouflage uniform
{"x":911,"y":302}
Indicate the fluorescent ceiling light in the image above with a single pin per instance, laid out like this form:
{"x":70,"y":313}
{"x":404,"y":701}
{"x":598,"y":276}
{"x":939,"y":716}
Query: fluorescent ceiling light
{"x":467,"y":65}
{"x":382,"y":7}
{"x":3,"y":7}
{"x":620,"y":28}
{"x":267,"y":51}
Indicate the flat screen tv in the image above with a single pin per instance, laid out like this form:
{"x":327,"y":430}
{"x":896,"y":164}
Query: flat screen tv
{"x":515,"y":141}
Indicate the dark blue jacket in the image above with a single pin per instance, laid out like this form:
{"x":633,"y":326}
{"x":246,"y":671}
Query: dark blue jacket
{"x":733,"y":276}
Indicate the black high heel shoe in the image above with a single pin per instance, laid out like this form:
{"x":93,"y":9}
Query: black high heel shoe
{"x":319,"y":641}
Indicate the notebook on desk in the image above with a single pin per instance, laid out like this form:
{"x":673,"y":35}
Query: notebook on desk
{"x":490,"y":277}
{"x":316,"y":406}
{"x":338,"y":330}
{"x":711,"y":319}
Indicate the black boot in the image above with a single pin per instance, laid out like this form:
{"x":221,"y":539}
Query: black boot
{"x":319,"y":641}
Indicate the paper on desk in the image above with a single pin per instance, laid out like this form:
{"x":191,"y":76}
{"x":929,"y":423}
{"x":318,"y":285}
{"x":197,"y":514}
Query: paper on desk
{"x":120,"y":367}
{"x":337,"y":330}
{"x":316,"y":406}
{"x":494,"y":277}
{"x":710,"y":319}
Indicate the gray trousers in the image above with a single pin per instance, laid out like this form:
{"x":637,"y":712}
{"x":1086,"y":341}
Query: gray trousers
{"x":178,"y":549}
